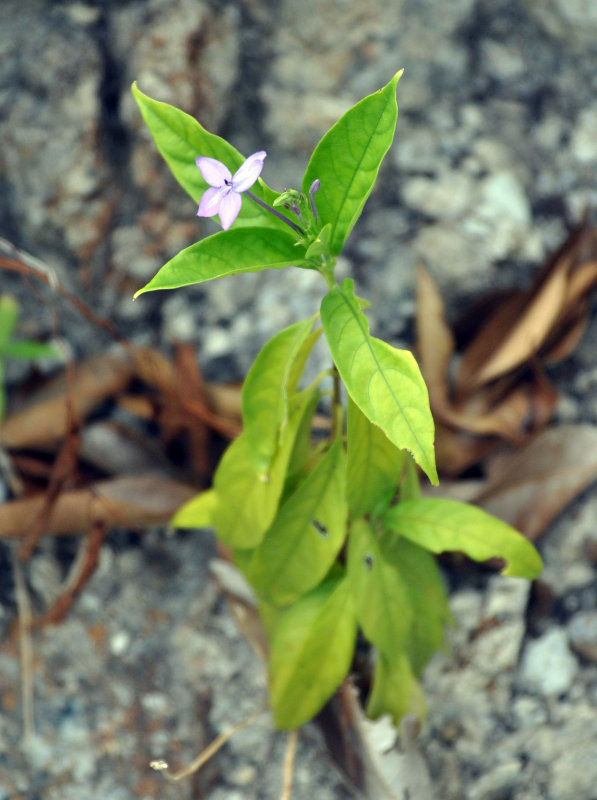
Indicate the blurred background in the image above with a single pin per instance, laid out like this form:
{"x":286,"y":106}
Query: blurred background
{"x":494,"y":158}
{"x":493,"y":164}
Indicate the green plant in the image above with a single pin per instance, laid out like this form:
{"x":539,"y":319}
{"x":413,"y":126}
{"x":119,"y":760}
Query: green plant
{"x":23,"y":349}
{"x":335,"y":535}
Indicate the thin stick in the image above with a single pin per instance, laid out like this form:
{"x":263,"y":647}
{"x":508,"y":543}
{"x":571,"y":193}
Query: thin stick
{"x":25,"y":651}
{"x":204,"y":755}
{"x":289,"y":765}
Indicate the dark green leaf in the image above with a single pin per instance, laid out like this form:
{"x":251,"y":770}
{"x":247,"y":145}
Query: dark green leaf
{"x":347,"y":161}
{"x":227,"y":253}
{"x":180,"y":139}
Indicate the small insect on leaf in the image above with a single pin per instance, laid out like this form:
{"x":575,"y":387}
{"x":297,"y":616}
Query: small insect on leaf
{"x":320,"y":528}
{"x":369,"y":561}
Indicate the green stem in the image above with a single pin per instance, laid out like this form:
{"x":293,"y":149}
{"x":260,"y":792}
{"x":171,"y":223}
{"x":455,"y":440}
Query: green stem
{"x":273,"y":211}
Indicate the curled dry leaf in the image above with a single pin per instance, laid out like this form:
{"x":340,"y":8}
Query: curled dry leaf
{"x":45,"y":420}
{"x":536,"y":483}
{"x":501,"y":391}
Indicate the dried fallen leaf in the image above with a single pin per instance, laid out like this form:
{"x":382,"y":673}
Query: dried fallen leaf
{"x":46,"y":419}
{"x":132,"y":502}
{"x":537,"y":483}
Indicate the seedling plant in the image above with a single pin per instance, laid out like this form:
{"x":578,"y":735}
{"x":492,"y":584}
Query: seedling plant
{"x":333,"y":535}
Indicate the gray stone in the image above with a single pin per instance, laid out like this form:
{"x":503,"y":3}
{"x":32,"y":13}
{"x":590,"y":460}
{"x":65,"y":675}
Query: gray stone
{"x":582,"y":630}
{"x":548,"y":667}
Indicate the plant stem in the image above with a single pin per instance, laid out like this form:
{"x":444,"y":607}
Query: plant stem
{"x":269,"y":208}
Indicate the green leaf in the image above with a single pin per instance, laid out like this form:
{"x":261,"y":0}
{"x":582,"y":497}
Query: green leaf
{"x":348,"y":158}
{"x":311,"y":652}
{"x":385,"y":383}
{"x":227,"y":253}
{"x":2,"y":391}
{"x":28,"y":350}
{"x":410,"y":486}
{"x":305,"y":537}
{"x":196,"y":512}
{"x":427,"y":596}
{"x":382,"y":604}
{"x":395,"y":690}
{"x":180,"y":139}
{"x":266,"y":390}
{"x":445,"y":525}
{"x":247,"y":498}
{"x":9,"y":315}
{"x":374,"y":464}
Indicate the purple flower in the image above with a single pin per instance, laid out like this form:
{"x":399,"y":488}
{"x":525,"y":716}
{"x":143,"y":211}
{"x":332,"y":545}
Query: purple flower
{"x":224,"y":196}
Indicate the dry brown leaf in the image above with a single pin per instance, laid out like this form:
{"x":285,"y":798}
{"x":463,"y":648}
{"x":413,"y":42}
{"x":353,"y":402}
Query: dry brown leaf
{"x":537,"y":482}
{"x":520,"y":326}
{"x":46,"y":419}
{"x":435,"y":342}
{"x":131,"y":502}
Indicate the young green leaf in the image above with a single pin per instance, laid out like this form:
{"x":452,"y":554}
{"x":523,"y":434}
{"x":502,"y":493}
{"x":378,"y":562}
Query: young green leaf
{"x":395,"y":690}
{"x":304,"y":539}
{"x":28,"y":350}
{"x":247,"y":499}
{"x":374,"y":464}
{"x":384,"y":382}
{"x":311,"y":651}
{"x":9,"y":315}
{"x":266,"y":390}
{"x":346,"y":161}
{"x":382,"y":604}
{"x":180,"y":139}
{"x":427,"y":597}
{"x":410,"y":485}
{"x":442,"y":525}
{"x":227,"y":253}
{"x":196,"y":512}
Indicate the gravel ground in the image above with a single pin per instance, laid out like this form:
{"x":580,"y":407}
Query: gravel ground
{"x":495,"y":158}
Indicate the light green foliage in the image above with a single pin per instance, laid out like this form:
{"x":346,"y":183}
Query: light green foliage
{"x":374,"y":464}
{"x":303,"y":541}
{"x":22,"y":349}
{"x":311,"y":650}
{"x":381,"y":598}
{"x":348,"y":158}
{"x":440,"y":525}
{"x":332,"y":533}
{"x":248,"y":498}
{"x":267,"y":388}
{"x":395,"y":690}
{"x":384,"y":382}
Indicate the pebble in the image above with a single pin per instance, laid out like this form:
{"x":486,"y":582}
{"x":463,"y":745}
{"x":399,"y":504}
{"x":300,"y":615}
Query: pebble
{"x":548,"y":667}
{"x":582,"y":630}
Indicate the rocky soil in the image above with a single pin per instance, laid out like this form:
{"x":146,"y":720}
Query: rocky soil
{"x":495,"y":158}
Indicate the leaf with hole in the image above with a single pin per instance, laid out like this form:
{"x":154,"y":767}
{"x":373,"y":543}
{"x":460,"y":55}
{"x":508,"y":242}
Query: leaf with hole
{"x":303,"y":541}
{"x":447,"y":525}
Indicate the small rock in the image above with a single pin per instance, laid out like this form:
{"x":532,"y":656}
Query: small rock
{"x":582,"y":630}
{"x":548,"y":666}
{"x":584,"y":137}
{"x":446,"y":197}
